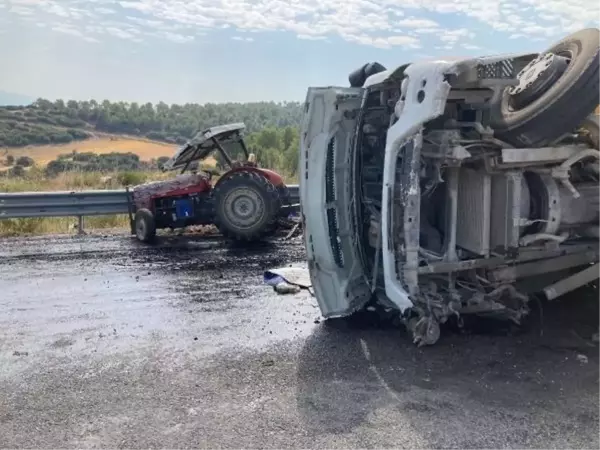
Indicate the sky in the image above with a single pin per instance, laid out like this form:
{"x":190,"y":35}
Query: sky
{"x":201,"y":51}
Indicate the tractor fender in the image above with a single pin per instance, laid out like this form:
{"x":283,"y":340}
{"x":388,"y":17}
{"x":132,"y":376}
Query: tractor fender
{"x":275,"y":179}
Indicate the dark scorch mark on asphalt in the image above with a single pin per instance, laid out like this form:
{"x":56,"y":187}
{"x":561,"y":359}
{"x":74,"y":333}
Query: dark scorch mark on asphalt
{"x":108,"y":343}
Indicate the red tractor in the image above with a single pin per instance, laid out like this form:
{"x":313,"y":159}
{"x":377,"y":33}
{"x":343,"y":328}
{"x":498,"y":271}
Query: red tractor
{"x":245,"y":203}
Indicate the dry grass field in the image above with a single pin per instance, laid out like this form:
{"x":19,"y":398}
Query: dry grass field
{"x":144,"y":148}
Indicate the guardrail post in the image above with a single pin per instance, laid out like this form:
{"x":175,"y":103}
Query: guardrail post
{"x":80,"y":230}
{"x":130,"y":210}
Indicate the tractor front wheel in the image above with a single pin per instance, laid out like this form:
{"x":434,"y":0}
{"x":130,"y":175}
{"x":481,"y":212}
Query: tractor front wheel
{"x":246,"y":206}
{"x":145,"y":226}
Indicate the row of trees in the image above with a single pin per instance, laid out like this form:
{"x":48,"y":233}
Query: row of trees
{"x":16,"y":132}
{"x":171,"y":123}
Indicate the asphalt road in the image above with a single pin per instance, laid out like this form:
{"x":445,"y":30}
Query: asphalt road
{"x":105,"y":342}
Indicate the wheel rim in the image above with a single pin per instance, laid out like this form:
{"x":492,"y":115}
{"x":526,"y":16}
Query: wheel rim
{"x":536,"y":79}
{"x":244,"y":208}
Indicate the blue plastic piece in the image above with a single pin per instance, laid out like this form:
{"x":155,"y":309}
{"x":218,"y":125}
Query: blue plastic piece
{"x":183,"y":208}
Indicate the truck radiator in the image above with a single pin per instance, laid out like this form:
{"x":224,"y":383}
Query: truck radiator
{"x":473,"y":211}
{"x":510,"y":207}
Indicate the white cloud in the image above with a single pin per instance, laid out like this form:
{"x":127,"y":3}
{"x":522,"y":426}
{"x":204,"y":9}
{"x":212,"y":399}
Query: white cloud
{"x":69,"y":29}
{"x":453,"y":36}
{"x":308,"y":37}
{"x":66,"y":29}
{"x":58,"y":10}
{"x":387,"y":42}
{"x":146,"y":22}
{"x":242,"y":38}
{"x":368,"y":22}
{"x":22,"y":10}
{"x":104,"y":10}
{"x":417,"y":23}
{"x":427,"y":30}
{"x":548,"y":17}
{"x":130,"y":34}
{"x":177,"y":38}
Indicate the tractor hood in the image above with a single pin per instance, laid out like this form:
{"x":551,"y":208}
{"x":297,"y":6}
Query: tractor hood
{"x":204,"y":143}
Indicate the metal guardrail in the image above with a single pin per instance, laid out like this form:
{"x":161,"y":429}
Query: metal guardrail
{"x":75,"y":204}
{"x":62,"y":204}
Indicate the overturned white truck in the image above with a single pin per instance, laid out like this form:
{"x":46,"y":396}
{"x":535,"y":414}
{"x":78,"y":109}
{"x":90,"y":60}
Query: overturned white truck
{"x":450,"y":187}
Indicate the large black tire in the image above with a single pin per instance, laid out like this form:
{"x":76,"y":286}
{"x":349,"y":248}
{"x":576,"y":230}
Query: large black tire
{"x":563,"y":106}
{"x":246,"y":206}
{"x":145,"y":225}
{"x":358,"y":77}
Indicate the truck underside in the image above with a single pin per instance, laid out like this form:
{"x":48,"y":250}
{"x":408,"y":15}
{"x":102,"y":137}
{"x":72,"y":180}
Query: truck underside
{"x":486,"y":225}
{"x":455,"y":215}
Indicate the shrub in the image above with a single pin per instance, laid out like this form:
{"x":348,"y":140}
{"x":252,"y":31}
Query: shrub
{"x":58,"y":166}
{"x":160,"y":162}
{"x":61,"y":138}
{"x":10,"y":160}
{"x":17,"y":172}
{"x":85,"y":157}
{"x":77,"y":134}
{"x":46,"y":119}
{"x":25,"y":161}
{"x":131,"y":178}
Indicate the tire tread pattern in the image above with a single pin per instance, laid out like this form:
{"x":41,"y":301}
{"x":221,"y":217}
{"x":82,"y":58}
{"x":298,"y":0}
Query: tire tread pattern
{"x":270,"y":196}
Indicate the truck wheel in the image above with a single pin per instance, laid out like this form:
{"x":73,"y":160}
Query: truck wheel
{"x":358,"y":77}
{"x":556,"y":92}
{"x":145,"y":226}
{"x":246,"y":206}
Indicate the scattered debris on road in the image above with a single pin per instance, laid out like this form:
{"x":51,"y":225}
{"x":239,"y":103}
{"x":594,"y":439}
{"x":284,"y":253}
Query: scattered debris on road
{"x":288,"y":280}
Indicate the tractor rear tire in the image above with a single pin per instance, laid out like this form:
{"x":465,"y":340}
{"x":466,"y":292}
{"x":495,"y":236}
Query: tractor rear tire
{"x":145,"y":225}
{"x":247,"y":206}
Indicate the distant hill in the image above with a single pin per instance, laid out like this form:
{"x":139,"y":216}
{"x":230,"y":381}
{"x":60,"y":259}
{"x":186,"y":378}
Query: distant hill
{"x":44,"y":122}
{"x":10,"y":98}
